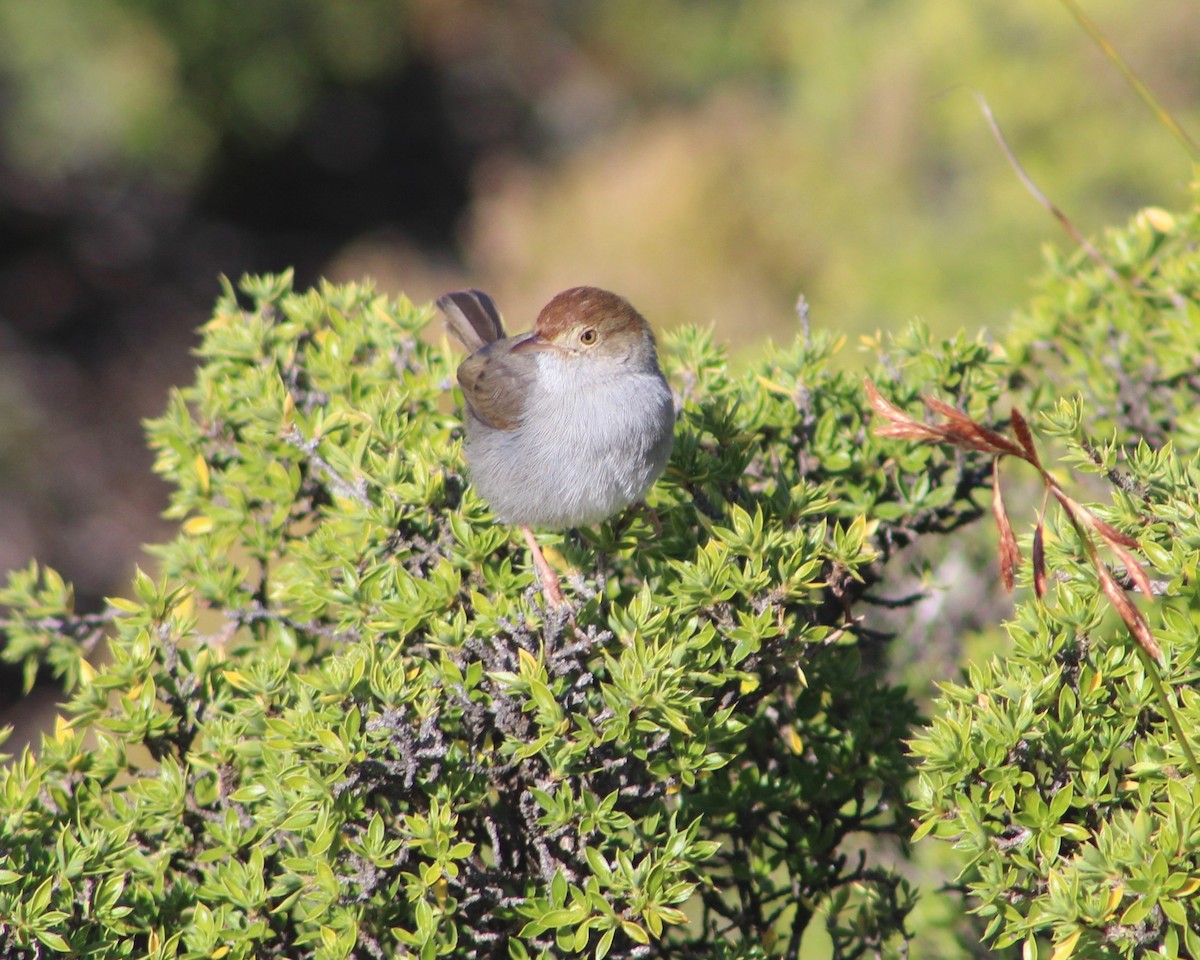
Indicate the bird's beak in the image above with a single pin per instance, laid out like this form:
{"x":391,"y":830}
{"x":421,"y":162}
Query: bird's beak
{"x":531,"y":341}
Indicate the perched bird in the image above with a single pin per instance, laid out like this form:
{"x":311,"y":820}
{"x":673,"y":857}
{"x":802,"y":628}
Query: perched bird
{"x":567,"y":424}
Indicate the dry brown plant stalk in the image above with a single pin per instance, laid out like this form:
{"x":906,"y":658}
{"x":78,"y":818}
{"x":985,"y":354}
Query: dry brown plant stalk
{"x":959,"y":430}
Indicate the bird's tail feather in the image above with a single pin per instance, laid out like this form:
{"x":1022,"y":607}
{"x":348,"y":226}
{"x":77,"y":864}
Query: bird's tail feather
{"x":472,"y":317}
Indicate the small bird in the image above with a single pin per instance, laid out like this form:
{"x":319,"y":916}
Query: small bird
{"x":567,"y":424}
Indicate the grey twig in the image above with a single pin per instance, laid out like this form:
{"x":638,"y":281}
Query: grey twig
{"x":355,"y":491}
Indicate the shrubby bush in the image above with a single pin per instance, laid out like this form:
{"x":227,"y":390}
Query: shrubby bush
{"x":1063,"y":766}
{"x":338,"y":720}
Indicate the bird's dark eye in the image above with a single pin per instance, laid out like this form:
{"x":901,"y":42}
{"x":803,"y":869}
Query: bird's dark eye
{"x":588,"y":337}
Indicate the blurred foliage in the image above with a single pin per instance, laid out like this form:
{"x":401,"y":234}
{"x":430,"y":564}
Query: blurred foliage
{"x":750,"y":149}
{"x":158,"y":85}
{"x":340,"y":723}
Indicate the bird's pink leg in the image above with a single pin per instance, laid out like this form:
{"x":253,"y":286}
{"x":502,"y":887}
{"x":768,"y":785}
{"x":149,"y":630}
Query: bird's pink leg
{"x":550,"y":585}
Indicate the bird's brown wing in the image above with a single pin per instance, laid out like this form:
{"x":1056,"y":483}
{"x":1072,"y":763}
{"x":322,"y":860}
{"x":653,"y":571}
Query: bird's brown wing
{"x":472,"y":317}
{"x":496,"y":384}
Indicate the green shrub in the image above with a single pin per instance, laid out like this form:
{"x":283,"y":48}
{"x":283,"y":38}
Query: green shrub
{"x":1061,"y":768}
{"x":340,"y":723}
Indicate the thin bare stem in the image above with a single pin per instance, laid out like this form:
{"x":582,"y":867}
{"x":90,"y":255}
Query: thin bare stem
{"x":1063,"y":220}
{"x":1169,"y":711}
{"x":1160,"y":112}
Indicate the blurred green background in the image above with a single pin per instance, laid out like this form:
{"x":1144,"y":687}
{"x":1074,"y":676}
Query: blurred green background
{"x":710,"y":160}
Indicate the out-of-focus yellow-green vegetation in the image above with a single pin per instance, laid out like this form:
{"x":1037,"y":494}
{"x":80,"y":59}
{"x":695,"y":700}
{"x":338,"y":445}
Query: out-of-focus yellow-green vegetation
{"x":832,"y":148}
{"x":709,"y":159}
